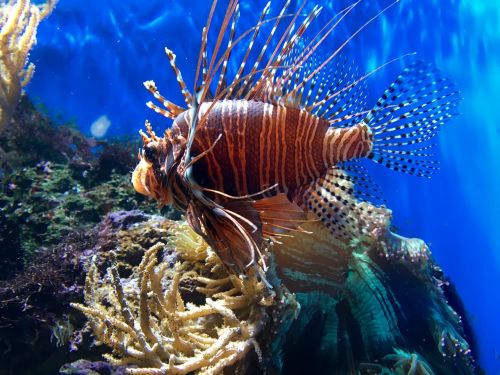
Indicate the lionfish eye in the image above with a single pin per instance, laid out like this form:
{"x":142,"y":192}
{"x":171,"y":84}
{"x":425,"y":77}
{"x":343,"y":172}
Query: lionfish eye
{"x":151,"y":152}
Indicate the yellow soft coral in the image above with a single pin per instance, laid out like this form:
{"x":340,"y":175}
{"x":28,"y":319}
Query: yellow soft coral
{"x":152,"y":329}
{"x":19,"y":20}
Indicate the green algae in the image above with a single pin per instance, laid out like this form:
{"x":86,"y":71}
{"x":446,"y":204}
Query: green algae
{"x":42,"y":204}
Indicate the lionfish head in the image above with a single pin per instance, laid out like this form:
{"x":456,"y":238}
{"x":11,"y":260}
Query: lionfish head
{"x":158,"y":160}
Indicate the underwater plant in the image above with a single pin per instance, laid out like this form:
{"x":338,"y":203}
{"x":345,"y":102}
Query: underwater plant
{"x":34,"y":304}
{"x":58,"y":181}
{"x":43,"y":204}
{"x":363,"y":296}
{"x":19,"y":21}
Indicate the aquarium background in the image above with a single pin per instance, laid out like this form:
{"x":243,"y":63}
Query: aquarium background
{"x":92,"y":59}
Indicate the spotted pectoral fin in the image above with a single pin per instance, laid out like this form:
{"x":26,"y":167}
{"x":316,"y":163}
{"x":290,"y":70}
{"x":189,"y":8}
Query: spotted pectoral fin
{"x":279,"y":215}
{"x":339,"y":199}
{"x":362,"y":186}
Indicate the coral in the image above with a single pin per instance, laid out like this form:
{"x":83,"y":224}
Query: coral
{"x":409,"y":363}
{"x":19,"y":21}
{"x":62,"y":331}
{"x":43,"y":204}
{"x":116,"y":157}
{"x":58,"y":181}
{"x":362,"y":296}
{"x":314,"y":335}
{"x":35,"y":318}
{"x":155,"y":328}
{"x":359,"y":298}
{"x":85,"y":367}
{"x":33,"y":137}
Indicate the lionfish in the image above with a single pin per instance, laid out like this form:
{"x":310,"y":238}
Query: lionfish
{"x":250,"y":159}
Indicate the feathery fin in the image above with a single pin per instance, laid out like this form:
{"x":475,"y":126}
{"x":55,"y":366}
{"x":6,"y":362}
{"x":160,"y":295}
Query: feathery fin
{"x":278,"y":215}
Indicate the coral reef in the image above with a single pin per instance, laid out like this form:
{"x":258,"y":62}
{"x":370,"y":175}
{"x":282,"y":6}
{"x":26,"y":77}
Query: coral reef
{"x":408,"y":363}
{"x":85,"y":367}
{"x":36,"y":320}
{"x":19,"y":21}
{"x":364,"y":297}
{"x":371,"y":305}
{"x":155,"y":328}
{"x":43,"y":204}
{"x":160,"y":300}
{"x":33,"y":137}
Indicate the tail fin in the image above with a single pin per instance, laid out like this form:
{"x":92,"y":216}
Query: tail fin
{"x":408,"y":115}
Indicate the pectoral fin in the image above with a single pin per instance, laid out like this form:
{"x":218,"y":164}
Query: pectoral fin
{"x":233,"y":230}
{"x":279,"y":216}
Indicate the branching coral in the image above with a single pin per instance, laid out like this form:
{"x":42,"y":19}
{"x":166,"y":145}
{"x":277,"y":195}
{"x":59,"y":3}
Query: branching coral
{"x":153,"y":329}
{"x":19,"y":21}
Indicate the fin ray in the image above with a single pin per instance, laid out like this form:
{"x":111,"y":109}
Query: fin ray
{"x":278,"y":214}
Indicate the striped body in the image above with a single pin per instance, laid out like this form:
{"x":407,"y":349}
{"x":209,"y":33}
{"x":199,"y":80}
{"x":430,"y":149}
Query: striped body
{"x":264,"y":144}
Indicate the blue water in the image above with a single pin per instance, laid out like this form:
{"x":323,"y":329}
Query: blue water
{"x":91,"y":61}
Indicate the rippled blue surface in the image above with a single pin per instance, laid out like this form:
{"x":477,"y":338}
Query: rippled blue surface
{"x":92,"y":59}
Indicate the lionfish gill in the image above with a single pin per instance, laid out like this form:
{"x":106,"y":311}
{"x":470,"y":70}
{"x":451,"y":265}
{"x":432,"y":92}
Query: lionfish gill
{"x":252,"y":156}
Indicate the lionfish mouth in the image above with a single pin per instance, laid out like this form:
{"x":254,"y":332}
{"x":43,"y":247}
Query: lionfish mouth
{"x":145,"y":183}
{"x":140,"y":178}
